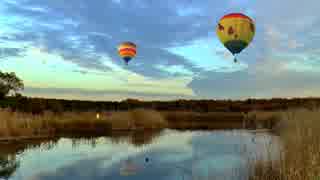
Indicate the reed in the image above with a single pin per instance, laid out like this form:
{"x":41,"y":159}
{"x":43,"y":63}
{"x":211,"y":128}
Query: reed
{"x":299,"y":157}
{"x":17,"y":124}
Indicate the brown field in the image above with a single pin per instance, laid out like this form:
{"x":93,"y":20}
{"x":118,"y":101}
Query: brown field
{"x":299,"y":131}
{"x":210,"y":120}
{"x":18,"y":124}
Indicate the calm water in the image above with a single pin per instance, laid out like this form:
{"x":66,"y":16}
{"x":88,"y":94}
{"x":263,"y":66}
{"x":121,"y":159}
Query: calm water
{"x":169,"y":155}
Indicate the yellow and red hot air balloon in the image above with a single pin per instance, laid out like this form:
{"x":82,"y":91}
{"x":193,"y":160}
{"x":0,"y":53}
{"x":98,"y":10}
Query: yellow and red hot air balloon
{"x":127,"y":51}
{"x":235,"y":31}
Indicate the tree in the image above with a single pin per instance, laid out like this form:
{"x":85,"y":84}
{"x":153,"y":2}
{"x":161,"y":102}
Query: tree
{"x":8,"y":166}
{"x":55,"y":106}
{"x":9,"y":82}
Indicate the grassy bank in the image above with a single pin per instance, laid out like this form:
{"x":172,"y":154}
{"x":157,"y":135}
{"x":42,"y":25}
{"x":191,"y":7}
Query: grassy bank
{"x":299,"y":131}
{"x":211,"y":120}
{"x":18,"y":124}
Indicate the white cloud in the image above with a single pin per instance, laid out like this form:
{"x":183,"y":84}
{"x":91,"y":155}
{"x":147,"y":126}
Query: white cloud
{"x":175,"y":69}
{"x":116,"y":79}
{"x":293,"y":44}
{"x":268,"y":67}
{"x":273,"y":37}
{"x":116,"y":1}
{"x":284,"y":26}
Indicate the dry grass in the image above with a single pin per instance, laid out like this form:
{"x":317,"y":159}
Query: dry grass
{"x":19,"y":124}
{"x":196,"y":116}
{"x":14,"y":124}
{"x":211,"y":120}
{"x":136,"y":119}
{"x":299,"y":131}
{"x":263,"y":119}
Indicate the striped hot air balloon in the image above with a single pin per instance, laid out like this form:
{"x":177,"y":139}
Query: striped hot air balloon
{"x":235,"y":31}
{"x":127,"y":51}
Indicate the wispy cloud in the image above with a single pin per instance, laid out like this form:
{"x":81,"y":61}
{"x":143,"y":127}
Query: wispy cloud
{"x":176,"y":41}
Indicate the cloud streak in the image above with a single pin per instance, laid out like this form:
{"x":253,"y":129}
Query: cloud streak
{"x":86,"y":34}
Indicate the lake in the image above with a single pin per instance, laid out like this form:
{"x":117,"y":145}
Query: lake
{"x":165,"y":155}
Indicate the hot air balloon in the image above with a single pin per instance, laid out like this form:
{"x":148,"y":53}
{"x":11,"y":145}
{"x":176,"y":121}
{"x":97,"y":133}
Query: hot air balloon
{"x":128,"y":168}
{"x":127,"y":51}
{"x":235,"y":31}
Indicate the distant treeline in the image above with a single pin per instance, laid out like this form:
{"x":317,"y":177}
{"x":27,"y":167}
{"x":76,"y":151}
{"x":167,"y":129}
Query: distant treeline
{"x":39,"y":105}
{"x":11,"y":84}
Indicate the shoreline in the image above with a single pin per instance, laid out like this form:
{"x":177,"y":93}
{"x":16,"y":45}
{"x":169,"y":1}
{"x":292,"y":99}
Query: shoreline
{"x":298,"y":131}
{"x":15,"y":125}
{"x":13,"y":139}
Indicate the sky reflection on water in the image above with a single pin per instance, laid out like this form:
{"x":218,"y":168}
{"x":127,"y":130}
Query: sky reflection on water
{"x":171,"y":155}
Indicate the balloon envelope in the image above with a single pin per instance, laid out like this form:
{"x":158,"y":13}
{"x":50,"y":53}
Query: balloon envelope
{"x":235,"y":31}
{"x":127,"y":51}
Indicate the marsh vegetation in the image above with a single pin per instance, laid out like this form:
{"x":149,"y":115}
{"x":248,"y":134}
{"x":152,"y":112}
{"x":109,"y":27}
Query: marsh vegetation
{"x":299,"y":157}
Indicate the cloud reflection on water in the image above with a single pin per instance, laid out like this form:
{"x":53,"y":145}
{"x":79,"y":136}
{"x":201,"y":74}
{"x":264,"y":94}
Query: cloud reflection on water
{"x":193,"y":152}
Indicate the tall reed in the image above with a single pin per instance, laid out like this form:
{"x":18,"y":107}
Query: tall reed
{"x":13,"y":124}
{"x":299,"y":131}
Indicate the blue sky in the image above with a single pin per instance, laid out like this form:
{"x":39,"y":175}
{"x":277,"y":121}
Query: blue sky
{"x":68,"y":49}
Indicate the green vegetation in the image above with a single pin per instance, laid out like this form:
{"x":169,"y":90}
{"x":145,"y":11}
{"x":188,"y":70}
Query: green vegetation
{"x":9,"y":82}
{"x":40,"y":105}
{"x":8,"y":165}
{"x":11,"y":85}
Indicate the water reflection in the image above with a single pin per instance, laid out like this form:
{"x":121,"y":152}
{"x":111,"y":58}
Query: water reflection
{"x":167,"y":155}
{"x":128,"y":168}
{"x":136,"y":138}
{"x":8,"y":165}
